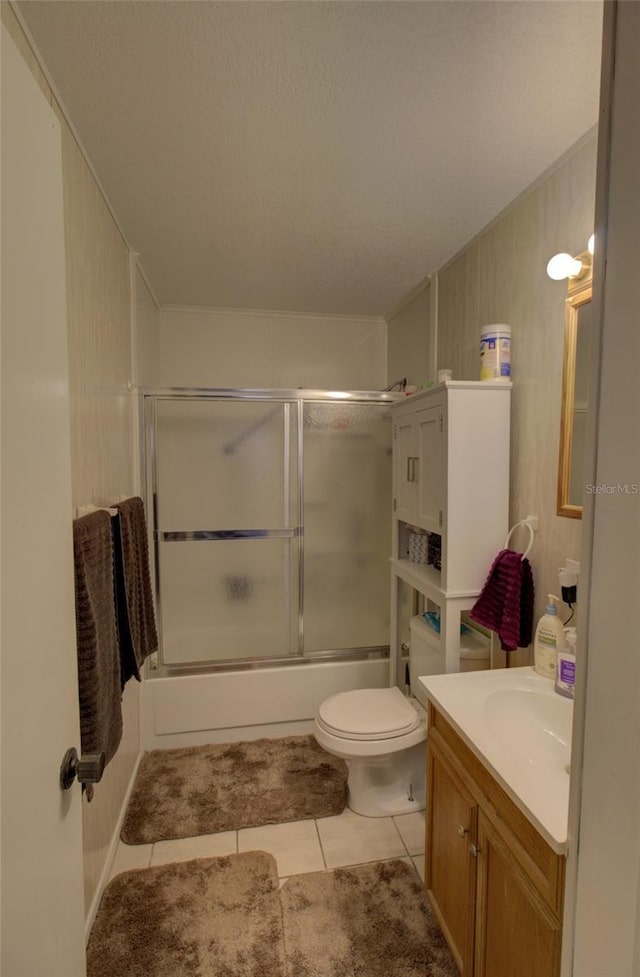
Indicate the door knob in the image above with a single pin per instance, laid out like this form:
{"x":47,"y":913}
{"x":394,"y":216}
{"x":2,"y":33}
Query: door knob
{"x":88,"y":768}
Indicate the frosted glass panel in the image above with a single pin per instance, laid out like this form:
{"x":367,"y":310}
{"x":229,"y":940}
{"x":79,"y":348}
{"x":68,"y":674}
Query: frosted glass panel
{"x":347,"y":501}
{"x":227,"y":600}
{"x":224,"y":465}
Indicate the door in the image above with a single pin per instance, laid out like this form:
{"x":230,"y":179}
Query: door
{"x":42,"y":902}
{"x":429,"y":475}
{"x":225,"y":485}
{"x":515,"y":932}
{"x":404,"y":466}
{"x":346,"y":494}
{"x":450,"y":868}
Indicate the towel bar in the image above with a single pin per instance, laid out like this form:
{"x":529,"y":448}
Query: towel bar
{"x":531,"y":523}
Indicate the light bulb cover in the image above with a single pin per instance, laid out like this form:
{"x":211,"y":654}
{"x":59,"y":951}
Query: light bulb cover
{"x":564,"y":266}
{"x":591,"y":246}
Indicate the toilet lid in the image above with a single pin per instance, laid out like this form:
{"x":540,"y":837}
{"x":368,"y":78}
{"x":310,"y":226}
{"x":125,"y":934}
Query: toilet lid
{"x":368,"y":714}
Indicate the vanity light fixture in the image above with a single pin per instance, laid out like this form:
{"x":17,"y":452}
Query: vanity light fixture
{"x":564,"y":266}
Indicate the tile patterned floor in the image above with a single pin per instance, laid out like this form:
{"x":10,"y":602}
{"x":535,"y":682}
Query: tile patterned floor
{"x":297,"y":846}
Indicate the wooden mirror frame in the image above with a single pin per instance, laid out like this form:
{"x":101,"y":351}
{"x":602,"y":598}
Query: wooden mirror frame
{"x":579,"y":291}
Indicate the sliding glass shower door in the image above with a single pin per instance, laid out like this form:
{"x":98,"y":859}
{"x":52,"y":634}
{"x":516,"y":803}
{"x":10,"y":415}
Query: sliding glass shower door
{"x":270,"y":522}
{"x":347,"y":501}
{"x":226,"y":501}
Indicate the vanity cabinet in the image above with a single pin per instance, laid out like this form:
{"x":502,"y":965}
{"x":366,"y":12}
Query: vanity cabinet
{"x":495,"y":885}
{"x":451,"y":478}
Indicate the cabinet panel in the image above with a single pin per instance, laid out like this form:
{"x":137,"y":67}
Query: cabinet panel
{"x":515,"y":932}
{"x":450,"y":868}
{"x":429,"y":469}
{"x":404,"y":462}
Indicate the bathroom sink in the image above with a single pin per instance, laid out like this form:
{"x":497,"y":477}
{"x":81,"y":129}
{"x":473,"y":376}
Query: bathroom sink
{"x":536,"y":725}
{"x":517,"y":726}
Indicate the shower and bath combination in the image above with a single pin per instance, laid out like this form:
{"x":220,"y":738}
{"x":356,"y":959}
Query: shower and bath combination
{"x":269,"y":514}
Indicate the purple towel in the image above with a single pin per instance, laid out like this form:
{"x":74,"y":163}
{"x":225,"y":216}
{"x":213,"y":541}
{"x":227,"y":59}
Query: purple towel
{"x":506,"y":602}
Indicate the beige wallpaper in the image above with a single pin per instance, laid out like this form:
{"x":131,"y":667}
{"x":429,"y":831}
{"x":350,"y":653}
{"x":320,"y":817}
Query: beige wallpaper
{"x":244,"y":348}
{"x":99,"y":322}
{"x":501,"y":277}
{"x":409,"y":346}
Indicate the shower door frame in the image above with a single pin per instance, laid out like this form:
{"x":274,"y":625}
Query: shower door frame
{"x":296,"y":397}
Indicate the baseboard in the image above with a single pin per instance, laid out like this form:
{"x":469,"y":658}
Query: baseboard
{"x":111,"y":854}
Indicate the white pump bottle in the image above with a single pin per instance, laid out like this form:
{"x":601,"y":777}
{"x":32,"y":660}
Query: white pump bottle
{"x":549,"y":640}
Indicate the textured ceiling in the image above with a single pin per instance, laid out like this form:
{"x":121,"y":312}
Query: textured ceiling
{"x":316,"y":156}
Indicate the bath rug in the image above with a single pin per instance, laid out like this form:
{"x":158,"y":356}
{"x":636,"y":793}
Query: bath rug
{"x":369,"y":920}
{"x":210,"y":917}
{"x":203,"y":789}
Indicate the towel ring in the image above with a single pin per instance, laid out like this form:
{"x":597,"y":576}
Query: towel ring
{"x":523,"y":522}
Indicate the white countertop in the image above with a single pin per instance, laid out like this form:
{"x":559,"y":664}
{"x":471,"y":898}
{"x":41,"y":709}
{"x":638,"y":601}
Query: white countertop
{"x":520,"y":729}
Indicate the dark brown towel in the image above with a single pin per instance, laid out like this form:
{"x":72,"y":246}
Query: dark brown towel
{"x":98,"y":654}
{"x":136,"y":619}
{"x":506,"y":602}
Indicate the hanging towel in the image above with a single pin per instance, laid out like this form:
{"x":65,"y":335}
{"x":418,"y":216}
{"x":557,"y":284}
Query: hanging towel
{"x":506,"y":602}
{"x":97,"y":639}
{"x":136,"y":619}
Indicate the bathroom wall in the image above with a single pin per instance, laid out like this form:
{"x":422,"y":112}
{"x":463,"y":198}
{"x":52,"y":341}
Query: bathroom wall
{"x":235,"y":348}
{"x":410,"y":341}
{"x":99,"y":330}
{"x":147,"y":314}
{"x":501,"y":277}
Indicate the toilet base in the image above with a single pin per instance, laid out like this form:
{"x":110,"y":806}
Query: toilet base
{"x":381,"y":786}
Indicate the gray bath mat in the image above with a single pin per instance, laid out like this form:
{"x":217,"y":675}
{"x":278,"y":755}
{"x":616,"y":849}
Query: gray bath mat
{"x":212,"y":917}
{"x":369,"y":920}
{"x":224,"y":917}
{"x":204,"y":789}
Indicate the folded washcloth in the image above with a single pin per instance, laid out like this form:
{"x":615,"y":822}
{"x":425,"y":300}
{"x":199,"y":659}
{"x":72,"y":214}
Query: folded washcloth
{"x":136,"y":619}
{"x":97,"y":639}
{"x":506,"y":602}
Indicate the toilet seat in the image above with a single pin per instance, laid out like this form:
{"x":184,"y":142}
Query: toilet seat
{"x":368,"y":714}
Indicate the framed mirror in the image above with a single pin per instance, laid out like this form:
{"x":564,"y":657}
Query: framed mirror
{"x":575,"y":393}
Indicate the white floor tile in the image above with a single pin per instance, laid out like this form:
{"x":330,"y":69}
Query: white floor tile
{"x":412,"y":828}
{"x":418,"y":861}
{"x":294,"y":845}
{"x":130,"y":856}
{"x":201,"y":846}
{"x":349,"y":839}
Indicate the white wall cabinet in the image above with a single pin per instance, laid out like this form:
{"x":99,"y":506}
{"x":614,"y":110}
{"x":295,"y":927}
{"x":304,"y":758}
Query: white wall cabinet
{"x":451,"y":478}
{"x":418,"y":486}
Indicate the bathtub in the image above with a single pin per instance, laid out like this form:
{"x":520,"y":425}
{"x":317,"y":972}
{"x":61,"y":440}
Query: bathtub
{"x":227,"y":706}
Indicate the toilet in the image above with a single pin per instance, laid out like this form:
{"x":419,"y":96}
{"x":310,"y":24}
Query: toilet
{"x":382,"y":733}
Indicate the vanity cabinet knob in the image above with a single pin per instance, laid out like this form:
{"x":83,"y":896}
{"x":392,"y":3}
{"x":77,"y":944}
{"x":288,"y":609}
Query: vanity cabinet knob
{"x":462,"y":831}
{"x":475,"y":851}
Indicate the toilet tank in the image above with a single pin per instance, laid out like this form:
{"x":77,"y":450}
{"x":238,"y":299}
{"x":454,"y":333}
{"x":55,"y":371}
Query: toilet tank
{"x":426,"y":657}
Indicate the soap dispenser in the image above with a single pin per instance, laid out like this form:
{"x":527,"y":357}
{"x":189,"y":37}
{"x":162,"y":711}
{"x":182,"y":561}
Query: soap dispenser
{"x":549,"y":640}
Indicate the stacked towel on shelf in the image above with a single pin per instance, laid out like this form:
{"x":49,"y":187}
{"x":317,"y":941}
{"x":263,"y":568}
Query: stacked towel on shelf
{"x":134,"y":596}
{"x":506,"y":602}
{"x":97,"y":636}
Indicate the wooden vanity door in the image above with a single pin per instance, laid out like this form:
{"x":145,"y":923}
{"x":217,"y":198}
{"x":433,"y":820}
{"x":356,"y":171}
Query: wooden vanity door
{"x":450,"y":868}
{"x":515,"y":932}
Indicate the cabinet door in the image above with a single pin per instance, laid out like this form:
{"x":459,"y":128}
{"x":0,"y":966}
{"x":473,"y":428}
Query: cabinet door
{"x":429,"y":469}
{"x":450,"y":868}
{"x":515,"y":932}
{"x":404,"y":466}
